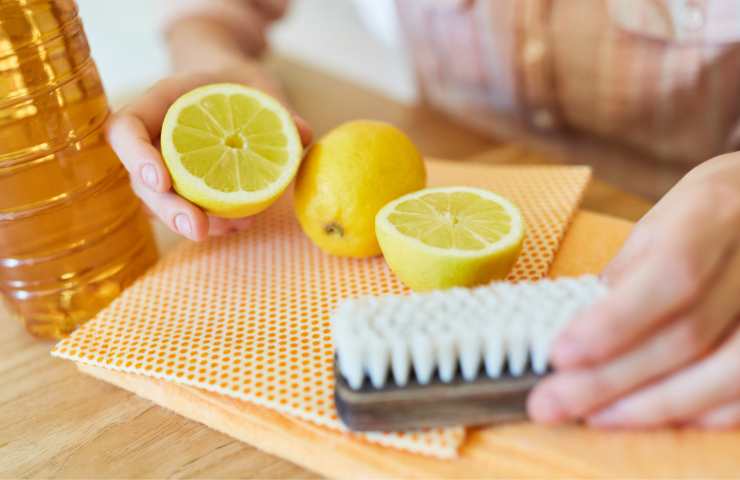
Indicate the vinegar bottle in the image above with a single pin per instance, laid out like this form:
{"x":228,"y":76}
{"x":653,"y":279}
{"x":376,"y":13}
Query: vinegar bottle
{"x":72,"y":233}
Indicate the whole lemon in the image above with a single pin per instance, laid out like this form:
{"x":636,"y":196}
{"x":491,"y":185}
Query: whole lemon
{"x":347,"y":177}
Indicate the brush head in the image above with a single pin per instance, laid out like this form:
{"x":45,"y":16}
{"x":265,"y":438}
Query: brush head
{"x":493,"y":335}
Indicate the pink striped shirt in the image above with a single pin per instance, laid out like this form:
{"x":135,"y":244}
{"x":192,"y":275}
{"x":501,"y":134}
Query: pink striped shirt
{"x":662,"y":76}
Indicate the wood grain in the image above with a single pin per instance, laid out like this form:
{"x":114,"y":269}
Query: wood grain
{"x":55,"y":422}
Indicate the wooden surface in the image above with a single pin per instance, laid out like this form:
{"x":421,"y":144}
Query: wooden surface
{"x":513,"y":450}
{"x":55,"y":422}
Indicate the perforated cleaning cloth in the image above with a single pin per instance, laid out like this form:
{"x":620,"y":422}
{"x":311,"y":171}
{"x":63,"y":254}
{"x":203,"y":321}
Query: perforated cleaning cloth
{"x":248,"y":315}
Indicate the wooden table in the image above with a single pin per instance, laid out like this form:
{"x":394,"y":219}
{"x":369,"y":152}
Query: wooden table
{"x":56,"y":422}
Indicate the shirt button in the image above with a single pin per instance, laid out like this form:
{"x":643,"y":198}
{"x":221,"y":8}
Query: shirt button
{"x":543,"y":119}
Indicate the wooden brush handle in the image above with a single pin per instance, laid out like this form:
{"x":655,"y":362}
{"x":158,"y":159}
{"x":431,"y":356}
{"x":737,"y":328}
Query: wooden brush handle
{"x":437,"y":404}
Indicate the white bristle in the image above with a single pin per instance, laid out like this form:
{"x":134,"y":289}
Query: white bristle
{"x":377,"y":360}
{"x":539,"y":357}
{"x":517,"y":348}
{"x":507,"y":328}
{"x":470,"y":354}
{"x":350,"y":360}
{"x":400,"y":361}
{"x":494,"y":351}
{"x":423,"y":358}
{"x":446,"y":358}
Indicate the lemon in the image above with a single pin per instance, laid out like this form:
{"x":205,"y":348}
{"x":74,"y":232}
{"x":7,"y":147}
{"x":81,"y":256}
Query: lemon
{"x":230,"y":149}
{"x":347,"y":177}
{"x":450,"y":237}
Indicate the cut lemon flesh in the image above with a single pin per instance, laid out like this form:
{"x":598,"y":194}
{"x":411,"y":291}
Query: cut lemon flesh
{"x":450,"y":236}
{"x":230,"y":149}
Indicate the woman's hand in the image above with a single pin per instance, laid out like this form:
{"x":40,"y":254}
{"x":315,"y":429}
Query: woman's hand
{"x":663,"y":347}
{"x":134,"y":135}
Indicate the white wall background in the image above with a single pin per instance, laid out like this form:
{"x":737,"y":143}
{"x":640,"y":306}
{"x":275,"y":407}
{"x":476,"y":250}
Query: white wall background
{"x":357,"y":41}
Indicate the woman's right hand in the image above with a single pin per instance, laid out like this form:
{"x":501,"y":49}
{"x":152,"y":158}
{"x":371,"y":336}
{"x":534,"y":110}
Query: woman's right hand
{"x":134,"y":135}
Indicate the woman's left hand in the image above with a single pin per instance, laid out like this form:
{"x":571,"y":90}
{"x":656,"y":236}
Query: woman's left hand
{"x":663,"y":346}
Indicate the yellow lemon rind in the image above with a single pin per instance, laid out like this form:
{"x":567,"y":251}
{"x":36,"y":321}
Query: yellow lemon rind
{"x":423,"y":267}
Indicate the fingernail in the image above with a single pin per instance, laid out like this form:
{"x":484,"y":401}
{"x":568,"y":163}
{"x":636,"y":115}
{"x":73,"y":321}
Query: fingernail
{"x":183,"y":225}
{"x":150,"y":177}
{"x":544,"y":407}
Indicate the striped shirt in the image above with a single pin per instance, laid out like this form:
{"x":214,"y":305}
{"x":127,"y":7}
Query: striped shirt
{"x":662,"y":76}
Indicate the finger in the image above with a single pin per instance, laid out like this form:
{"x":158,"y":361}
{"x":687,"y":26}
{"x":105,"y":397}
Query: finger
{"x":699,"y":388}
{"x":241,"y":224}
{"x":677,"y":270}
{"x":218,"y":226}
{"x":133,"y":131}
{"x":571,"y":395}
{"x":640,"y":239}
{"x":130,"y":140}
{"x":721,"y":418}
{"x":304,"y":130}
{"x":632,"y":251}
{"x":178,"y":214}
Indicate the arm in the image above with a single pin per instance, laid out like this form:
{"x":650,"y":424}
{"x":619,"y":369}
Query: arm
{"x":206,"y":46}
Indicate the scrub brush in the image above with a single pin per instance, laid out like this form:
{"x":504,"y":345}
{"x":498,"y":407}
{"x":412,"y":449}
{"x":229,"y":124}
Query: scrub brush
{"x":452,"y":357}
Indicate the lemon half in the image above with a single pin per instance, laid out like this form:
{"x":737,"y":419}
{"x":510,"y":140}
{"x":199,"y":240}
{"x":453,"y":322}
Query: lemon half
{"x":230,"y":149}
{"x":450,"y":237}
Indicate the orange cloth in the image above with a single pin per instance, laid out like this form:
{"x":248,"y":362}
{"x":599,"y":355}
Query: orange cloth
{"x":519,"y":450}
{"x":248,"y":315}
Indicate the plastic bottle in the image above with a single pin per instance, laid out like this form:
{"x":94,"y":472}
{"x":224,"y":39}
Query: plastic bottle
{"x":72,"y":233}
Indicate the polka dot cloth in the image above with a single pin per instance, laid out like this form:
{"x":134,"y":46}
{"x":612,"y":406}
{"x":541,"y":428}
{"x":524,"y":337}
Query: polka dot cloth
{"x":247,"y":315}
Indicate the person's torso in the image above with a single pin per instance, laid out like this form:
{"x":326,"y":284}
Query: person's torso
{"x":659,"y":75}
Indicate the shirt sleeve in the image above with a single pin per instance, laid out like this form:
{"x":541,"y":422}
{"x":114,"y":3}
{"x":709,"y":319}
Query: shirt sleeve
{"x":241,"y":17}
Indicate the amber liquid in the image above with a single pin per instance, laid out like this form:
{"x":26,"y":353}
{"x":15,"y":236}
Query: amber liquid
{"x":72,"y":233}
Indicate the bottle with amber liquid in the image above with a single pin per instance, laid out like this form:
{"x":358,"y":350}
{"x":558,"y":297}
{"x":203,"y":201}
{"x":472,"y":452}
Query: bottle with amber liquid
{"x":72,"y":233}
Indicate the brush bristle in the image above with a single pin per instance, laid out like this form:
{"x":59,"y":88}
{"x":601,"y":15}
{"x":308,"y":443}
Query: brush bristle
{"x":495,"y":330}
